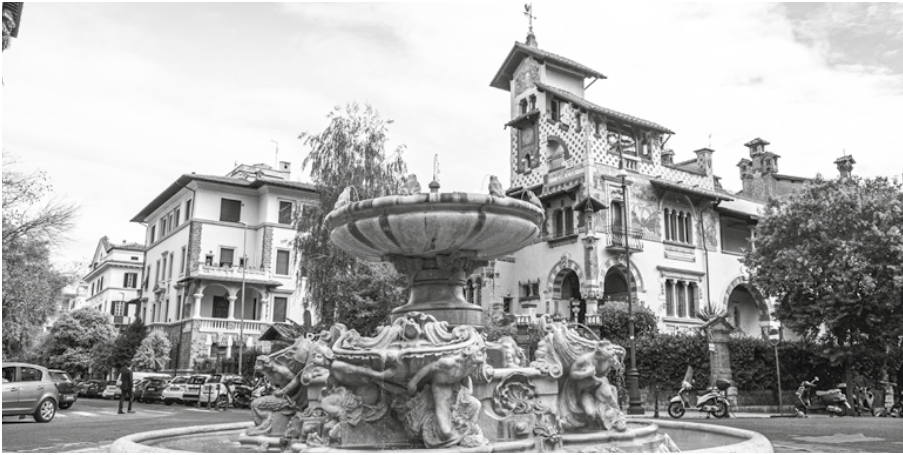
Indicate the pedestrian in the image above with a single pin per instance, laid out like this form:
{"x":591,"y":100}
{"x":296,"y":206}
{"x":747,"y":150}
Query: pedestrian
{"x":125,"y":387}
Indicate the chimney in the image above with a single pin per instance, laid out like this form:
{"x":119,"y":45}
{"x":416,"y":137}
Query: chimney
{"x":845,"y":166}
{"x":668,"y":157}
{"x":704,"y":160}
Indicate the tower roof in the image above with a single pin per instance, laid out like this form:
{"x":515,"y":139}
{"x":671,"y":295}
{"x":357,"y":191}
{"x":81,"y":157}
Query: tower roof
{"x":568,"y":96}
{"x":520,"y":51}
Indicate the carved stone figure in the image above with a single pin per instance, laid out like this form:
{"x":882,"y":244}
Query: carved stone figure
{"x":513,"y":356}
{"x":344,"y":198}
{"x":531,"y":198}
{"x":411,"y":185}
{"x":495,"y":187}
{"x":586,"y":398}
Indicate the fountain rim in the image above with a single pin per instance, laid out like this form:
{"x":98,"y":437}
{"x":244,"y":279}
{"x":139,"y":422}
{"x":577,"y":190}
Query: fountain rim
{"x":453,"y":201}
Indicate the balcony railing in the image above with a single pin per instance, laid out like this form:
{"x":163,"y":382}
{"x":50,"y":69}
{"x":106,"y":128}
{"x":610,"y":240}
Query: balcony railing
{"x":216,"y":325}
{"x":616,"y":237}
{"x":230,"y":272}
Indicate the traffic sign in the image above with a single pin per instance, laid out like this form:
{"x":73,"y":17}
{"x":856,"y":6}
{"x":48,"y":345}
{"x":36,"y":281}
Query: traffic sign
{"x":774,"y":336}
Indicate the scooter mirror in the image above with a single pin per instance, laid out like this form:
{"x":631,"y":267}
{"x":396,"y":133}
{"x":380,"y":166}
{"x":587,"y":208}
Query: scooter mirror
{"x":816,"y":379}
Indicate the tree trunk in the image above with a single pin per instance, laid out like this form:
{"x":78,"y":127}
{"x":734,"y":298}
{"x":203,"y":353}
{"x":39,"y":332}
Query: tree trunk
{"x":848,"y":375}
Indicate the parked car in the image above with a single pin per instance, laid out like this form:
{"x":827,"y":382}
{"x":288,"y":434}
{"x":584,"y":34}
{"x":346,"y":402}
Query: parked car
{"x":111,"y":390}
{"x":67,"y":388}
{"x":152,"y":391}
{"x":174,"y":390}
{"x":216,"y":387}
{"x":193,"y":387}
{"x":29,"y":390}
{"x":91,"y":388}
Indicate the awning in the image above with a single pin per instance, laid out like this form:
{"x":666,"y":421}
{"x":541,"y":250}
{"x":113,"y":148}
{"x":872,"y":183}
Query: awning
{"x":524,"y":119}
{"x":517,"y":192}
{"x":229,"y":279}
{"x":558,"y":190}
{"x":690,"y":191}
{"x":593,"y":202}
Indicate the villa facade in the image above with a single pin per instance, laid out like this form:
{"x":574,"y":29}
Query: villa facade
{"x":221,"y":267}
{"x":113,"y":279}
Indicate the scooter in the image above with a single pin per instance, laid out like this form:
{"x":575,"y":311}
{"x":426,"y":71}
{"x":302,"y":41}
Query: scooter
{"x":713,"y":402}
{"x":832,"y":401}
{"x":865,"y":402}
{"x":896,"y":410}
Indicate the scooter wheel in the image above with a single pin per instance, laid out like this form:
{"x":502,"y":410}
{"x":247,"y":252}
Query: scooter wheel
{"x":676,"y":410}
{"x":722,"y":411}
{"x":841,"y":411}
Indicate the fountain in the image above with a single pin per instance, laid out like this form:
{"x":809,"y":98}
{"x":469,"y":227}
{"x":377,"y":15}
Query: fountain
{"x":429,"y":381}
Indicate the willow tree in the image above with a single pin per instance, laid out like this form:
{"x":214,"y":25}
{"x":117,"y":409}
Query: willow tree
{"x":350,"y":152}
{"x":833,"y":254}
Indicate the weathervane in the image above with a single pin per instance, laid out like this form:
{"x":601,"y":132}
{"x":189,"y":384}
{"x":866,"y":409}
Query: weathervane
{"x":528,"y":11}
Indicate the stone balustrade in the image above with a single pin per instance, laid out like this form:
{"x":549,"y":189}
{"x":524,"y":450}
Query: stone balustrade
{"x":216,"y":325}
{"x":230,"y":272}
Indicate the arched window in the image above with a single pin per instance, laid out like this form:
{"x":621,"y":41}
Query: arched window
{"x":667,"y":213}
{"x":528,"y":162}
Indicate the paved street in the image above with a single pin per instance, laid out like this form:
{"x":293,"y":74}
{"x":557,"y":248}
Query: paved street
{"x":822,"y":433}
{"x":92,"y":424}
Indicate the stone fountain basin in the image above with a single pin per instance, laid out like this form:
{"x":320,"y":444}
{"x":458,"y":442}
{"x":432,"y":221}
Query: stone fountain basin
{"x":426,"y":225}
{"x":691,"y":437}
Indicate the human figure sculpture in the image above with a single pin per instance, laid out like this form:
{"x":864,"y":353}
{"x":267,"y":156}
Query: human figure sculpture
{"x":586,"y":398}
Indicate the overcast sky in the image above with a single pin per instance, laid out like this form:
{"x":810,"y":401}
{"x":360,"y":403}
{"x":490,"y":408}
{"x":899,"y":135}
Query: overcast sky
{"x":116,"y":100}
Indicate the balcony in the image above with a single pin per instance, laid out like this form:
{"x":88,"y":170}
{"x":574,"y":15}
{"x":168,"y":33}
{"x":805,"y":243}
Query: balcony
{"x":562,"y":237}
{"x":230,"y":272}
{"x":616,"y":238}
{"x":214,"y":325}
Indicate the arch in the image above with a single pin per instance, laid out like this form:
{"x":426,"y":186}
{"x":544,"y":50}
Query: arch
{"x":559,"y":272}
{"x":560,"y":143}
{"x":761,"y":302}
{"x":636,"y":278}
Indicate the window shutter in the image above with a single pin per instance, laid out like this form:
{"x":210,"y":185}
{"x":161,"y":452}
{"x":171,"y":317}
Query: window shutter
{"x":282,"y":258}
{"x":279,"y":309}
{"x":230,"y":210}
{"x":285,"y":212}
{"x":226,"y":255}
{"x":125,"y":280}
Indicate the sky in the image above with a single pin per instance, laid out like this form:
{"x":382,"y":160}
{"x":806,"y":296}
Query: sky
{"x":114,"y":101}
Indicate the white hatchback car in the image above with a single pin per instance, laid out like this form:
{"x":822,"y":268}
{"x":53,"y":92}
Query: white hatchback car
{"x":174,"y":391}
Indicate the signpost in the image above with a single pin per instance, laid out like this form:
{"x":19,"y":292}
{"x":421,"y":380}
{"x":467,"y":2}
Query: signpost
{"x":774,"y":337}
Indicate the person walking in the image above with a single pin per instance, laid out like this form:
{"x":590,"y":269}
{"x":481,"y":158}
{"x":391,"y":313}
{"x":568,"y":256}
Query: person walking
{"x":125,"y":379}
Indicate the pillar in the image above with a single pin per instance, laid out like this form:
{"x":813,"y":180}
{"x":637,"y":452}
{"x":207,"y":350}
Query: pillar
{"x":266,"y":311}
{"x":232,"y":299}
{"x":196,"y":306}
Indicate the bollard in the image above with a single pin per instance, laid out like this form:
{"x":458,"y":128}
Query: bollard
{"x":656,"y":401}
{"x":208,"y":398}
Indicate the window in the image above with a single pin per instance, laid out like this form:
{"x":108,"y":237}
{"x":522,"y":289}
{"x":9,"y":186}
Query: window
{"x":282,"y":262}
{"x":134,"y":258}
{"x":669,"y":298}
{"x":691,"y":299}
{"x":220,"y":307}
{"x":163,"y":227}
{"x":118,"y":308}
{"x":681,"y":299}
{"x":208,"y":260}
{"x":28,"y":374}
{"x":130,"y":280}
{"x":532,"y":102}
{"x":171,"y":225}
{"x":164,"y":268}
{"x":568,"y":220}
{"x":92,"y":288}
{"x":101,"y":285}
{"x":578,"y":117}
{"x":226,"y":257}
{"x":523,"y":106}
{"x":555,"y":110}
{"x":597,"y":127}
{"x":184,"y":265}
{"x":678,"y":225}
{"x":9,"y":374}
{"x":230,"y":210}
{"x":280,"y":305}
{"x":153,"y":233}
{"x":559,"y":223}
{"x":285,"y":212}
{"x":171,"y":261}
{"x":176,"y":216}
{"x":157,"y":273}
{"x":187,"y":210}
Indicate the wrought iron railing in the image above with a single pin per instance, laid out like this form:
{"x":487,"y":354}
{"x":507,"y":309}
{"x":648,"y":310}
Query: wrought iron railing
{"x":616,"y":237}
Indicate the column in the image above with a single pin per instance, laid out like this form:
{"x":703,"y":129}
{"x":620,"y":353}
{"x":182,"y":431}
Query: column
{"x":267,"y":312}
{"x":196,"y":306}
{"x":232,"y":299}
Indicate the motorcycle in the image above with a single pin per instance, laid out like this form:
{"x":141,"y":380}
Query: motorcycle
{"x":713,"y":402}
{"x":242,"y":396}
{"x":832,"y":401}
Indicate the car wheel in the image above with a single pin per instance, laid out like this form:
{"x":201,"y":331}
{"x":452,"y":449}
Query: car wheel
{"x":46,"y":410}
{"x":167,"y":402}
{"x":65,"y":405}
{"x":676,"y":410}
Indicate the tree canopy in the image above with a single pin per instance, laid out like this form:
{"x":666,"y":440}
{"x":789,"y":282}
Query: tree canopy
{"x":833,"y":254}
{"x":71,"y":342}
{"x":127,"y":343}
{"x":153,"y":353}
{"x":350,"y":152}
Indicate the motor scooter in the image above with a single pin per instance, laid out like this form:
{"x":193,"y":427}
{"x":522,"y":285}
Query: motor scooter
{"x":713,"y":402}
{"x":896,"y":409}
{"x":865,"y":402}
{"x":832,"y":401}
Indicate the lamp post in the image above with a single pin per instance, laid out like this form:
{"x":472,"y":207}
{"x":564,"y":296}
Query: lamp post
{"x":244,"y":265}
{"x":633,"y":376}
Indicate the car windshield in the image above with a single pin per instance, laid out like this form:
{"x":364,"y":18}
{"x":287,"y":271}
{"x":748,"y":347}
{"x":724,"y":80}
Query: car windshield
{"x":157,"y":382}
{"x":59,"y":376}
{"x":197,"y":380}
{"x":111,"y":383}
{"x":180,"y":380}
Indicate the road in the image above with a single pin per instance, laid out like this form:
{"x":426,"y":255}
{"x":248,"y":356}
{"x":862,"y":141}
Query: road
{"x":822,"y":433}
{"x":92,"y":424}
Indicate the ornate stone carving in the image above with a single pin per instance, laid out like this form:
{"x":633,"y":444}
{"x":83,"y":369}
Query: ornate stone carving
{"x":515,"y":394}
{"x":585,"y":398}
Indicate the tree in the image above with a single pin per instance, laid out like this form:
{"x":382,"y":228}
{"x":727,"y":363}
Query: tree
{"x":833,"y":253}
{"x":127,"y":343}
{"x":350,"y":152}
{"x":32,"y":286}
{"x":153,"y":353}
{"x":614,"y":319}
{"x":72,"y":340}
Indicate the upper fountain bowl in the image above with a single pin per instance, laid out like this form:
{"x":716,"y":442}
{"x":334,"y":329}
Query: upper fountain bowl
{"x":430,"y":224}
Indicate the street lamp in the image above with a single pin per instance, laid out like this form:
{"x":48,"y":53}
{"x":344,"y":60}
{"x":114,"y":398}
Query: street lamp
{"x":244,"y":265}
{"x":633,"y":376}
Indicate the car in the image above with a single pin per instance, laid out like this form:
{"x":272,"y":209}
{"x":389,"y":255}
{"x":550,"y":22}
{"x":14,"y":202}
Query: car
{"x":152,"y":391}
{"x":216,"y":387}
{"x":91,"y":388}
{"x":193,"y":387}
{"x":29,"y":390}
{"x":174,"y":390}
{"x":67,"y":388}
{"x":111,"y":390}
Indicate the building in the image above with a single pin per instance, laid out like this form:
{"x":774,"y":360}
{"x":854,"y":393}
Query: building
{"x":74,"y":296}
{"x":113,"y":278}
{"x":220,"y":265}
{"x":685,"y":232}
